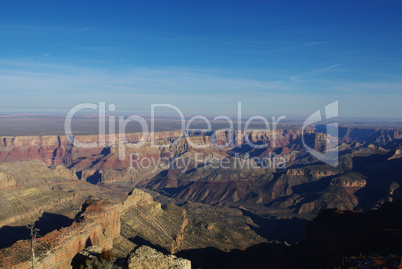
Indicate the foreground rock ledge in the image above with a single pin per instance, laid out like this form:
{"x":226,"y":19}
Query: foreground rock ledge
{"x":146,"y":257}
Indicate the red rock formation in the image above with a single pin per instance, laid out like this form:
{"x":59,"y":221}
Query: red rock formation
{"x":98,"y":224}
{"x":54,"y":150}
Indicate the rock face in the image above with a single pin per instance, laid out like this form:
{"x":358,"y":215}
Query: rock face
{"x":348,"y":183}
{"x":146,"y":257}
{"x":54,"y":150}
{"x":397,"y":155}
{"x":135,"y":198}
{"x":97,"y":224}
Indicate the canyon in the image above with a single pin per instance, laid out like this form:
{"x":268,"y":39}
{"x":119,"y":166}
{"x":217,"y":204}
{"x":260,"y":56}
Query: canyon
{"x":206,"y":195}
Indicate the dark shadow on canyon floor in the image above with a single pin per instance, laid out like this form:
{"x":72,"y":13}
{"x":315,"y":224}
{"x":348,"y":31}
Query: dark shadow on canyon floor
{"x":46,"y":223}
{"x":289,"y":230}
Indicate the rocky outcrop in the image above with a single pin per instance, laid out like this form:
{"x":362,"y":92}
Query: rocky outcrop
{"x":135,"y":198}
{"x":397,"y":155}
{"x":348,"y":183}
{"x":64,"y":172}
{"x":146,"y":257}
{"x":315,"y":173}
{"x":97,"y":224}
{"x":7,"y":181}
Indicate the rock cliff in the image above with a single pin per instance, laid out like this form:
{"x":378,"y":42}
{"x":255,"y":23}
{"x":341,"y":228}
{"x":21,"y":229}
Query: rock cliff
{"x":98,"y":224}
{"x":54,"y":150}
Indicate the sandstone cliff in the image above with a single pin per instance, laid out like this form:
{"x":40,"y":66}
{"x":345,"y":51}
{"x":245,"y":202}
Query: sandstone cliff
{"x":54,"y":150}
{"x":97,"y":224}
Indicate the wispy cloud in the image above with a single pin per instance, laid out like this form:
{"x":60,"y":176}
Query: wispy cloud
{"x":305,"y":45}
{"x":64,"y":81}
{"x":40,"y":85}
{"x":311,"y":75}
{"x":331,"y":67}
{"x":80,"y":30}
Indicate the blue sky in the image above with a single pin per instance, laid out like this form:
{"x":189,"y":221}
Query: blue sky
{"x":276,"y":57}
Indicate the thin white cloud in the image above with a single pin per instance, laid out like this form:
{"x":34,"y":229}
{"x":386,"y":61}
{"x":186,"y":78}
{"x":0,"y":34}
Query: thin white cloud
{"x":28,"y":84}
{"x":310,"y":44}
{"x":330,"y":67}
{"x":43,"y":77}
{"x":310,"y":75}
